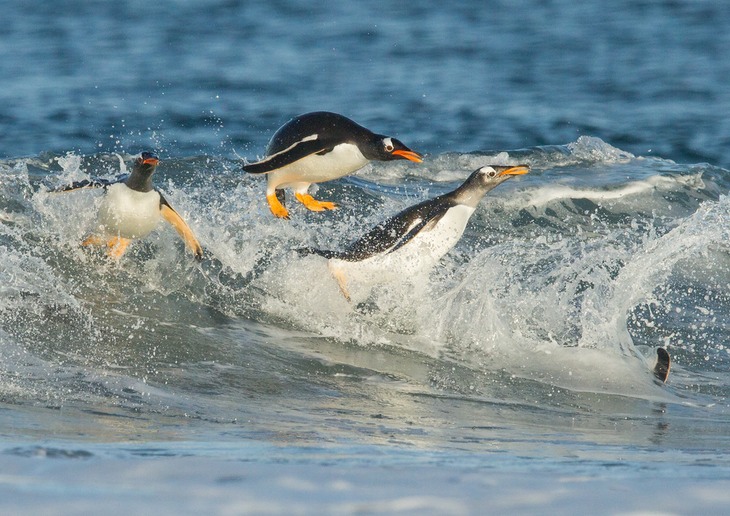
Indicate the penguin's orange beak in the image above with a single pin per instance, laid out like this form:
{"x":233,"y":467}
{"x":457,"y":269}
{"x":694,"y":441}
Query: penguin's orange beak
{"x":151,"y":161}
{"x":409,"y":155}
{"x":516,"y":170}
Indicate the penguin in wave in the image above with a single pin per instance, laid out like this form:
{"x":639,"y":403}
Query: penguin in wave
{"x":132,"y":208}
{"x":415,"y":239}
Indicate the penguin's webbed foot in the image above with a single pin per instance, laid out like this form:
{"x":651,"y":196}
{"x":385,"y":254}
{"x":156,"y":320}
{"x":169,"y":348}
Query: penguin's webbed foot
{"x":313,"y":204}
{"x":93,"y":240}
{"x":116,"y":246}
{"x":276,"y":207}
{"x":341,"y":282}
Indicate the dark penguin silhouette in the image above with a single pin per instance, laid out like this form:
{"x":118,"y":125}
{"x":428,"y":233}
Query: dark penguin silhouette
{"x":416,"y":238}
{"x":663,"y":365}
{"x":132,"y":208}
{"x":317,"y":147}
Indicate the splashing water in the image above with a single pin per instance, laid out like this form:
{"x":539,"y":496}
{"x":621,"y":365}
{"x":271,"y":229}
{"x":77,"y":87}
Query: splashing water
{"x":570,"y":276}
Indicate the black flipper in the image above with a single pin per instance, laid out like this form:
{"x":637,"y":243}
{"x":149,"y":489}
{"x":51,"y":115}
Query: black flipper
{"x":289,"y":155}
{"x":421,"y":226}
{"x":663,"y":365}
{"x":395,"y":232}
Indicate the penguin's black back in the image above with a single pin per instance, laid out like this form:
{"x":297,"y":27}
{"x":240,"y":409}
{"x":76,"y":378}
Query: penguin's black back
{"x":331,"y":129}
{"x":390,"y":235}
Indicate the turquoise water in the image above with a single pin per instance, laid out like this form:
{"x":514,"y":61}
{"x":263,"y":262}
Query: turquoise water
{"x":516,"y":376}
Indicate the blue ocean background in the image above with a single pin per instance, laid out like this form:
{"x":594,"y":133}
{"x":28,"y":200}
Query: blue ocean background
{"x":515,"y":377}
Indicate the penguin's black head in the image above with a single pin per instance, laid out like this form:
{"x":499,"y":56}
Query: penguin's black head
{"x":141,"y":177}
{"x":385,"y":148}
{"x":495,"y":174}
{"x":483,"y":179}
{"x":146,"y":163}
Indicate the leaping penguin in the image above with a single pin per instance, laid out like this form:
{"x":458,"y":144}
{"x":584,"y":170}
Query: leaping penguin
{"x":317,"y":147}
{"x":416,"y":238}
{"x":132,"y":208}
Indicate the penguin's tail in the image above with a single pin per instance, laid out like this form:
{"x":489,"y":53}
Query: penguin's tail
{"x":306,"y":251}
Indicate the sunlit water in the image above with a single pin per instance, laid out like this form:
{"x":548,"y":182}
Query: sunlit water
{"x":520,"y":364}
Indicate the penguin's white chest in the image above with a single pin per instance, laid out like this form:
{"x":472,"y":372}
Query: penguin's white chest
{"x":344,"y":159}
{"x":127,"y":213}
{"x":419,"y":254}
{"x":434,"y":243}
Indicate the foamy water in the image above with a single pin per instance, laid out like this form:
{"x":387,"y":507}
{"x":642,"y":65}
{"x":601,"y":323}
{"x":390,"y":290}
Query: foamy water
{"x":513,"y":377}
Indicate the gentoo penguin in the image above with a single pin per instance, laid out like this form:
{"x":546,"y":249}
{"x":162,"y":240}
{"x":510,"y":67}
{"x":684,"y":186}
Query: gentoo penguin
{"x":132,"y":208}
{"x":416,"y":238}
{"x":317,"y":147}
{"x":663,"y":365}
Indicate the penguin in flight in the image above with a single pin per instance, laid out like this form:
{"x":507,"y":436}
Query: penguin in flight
{"x":132,"y":208}
{"x":415,"y":239}
{"x":317,"y":147}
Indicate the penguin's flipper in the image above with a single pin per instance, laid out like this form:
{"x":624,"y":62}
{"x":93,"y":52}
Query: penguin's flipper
{"x":663,"y":365}
{"x":176,"y":221}
{"x":424,"y":225}
{"x":301,"y":149}
{"x":86,"y":183}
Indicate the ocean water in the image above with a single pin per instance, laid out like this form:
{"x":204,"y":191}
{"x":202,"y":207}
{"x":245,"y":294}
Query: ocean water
{"x":513,"y":377}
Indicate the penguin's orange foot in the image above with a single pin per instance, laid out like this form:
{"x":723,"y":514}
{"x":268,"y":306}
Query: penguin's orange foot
{"x":92,"y":240}
{"x":276,"y":207}
{"x":116,"y":247}
{"x":313,"y":204}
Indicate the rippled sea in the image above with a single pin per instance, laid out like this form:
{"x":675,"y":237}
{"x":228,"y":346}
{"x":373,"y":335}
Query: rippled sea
{"x":515,"y":377}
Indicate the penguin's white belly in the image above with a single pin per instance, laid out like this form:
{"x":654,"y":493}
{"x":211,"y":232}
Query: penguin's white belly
{"x":344,"y":159}
{"x":127,"y":213}
{"x":420,"y":254}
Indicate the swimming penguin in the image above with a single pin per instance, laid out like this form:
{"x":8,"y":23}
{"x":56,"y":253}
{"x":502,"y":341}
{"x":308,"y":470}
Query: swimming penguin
{"x":416,"y":238}
{"x":317,"y":147}
{"x":663,"y":365}
{"x":132,"y":208}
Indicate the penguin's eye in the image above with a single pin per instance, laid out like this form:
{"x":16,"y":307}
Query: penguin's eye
{"x":388,"y":143}
{"x":492,"y":173}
